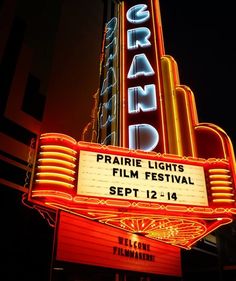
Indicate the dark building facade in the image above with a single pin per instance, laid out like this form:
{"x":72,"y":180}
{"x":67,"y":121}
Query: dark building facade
{"x":43,"y":85}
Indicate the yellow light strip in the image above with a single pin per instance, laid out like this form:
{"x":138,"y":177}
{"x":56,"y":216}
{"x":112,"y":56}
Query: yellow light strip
{"x":51,"y":193}
{"x":56,"y":169}
{"x":158,"y":67}
{"x":219,"y":177}
{"x":171,"y":110}
{"x":123,"y":125}
{"x":58,"y":137}
{"x":215,"y":188}
{"x":55,"y":182}
{"x":57,"y":154}
{"x":223,"y":200}
{"x":56,"y":161}
{"x":221,"y":183}
{"x":219,"y":171}
{"x":221,"y":194}
{"x":44,"y":175}
{"x":58,"y":147}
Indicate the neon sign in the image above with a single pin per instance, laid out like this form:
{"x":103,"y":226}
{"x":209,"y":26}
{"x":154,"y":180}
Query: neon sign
{"x":140,"y":66}
{"x":143,"y":136}
{"x":141,"y":94}
{"x":132,"y":178}
{"x":169,"y":177}
{"x":108,"y":93}
{"x":138,"y":14}
{"x":138,"y":37}
{"x":142,"y":99}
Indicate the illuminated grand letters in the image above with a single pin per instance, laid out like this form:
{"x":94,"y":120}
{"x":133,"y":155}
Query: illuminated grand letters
{"x":109,"y":81}
{"x":141,"y":136}
{"x":138,"y":37}
{"x":138,"y":14}
{"x":140,"y":66}
{"x":110,"y":28}
{"x":108,"y":112}
{"x":110,"y":51}
{"x":142,"y":99}
{"x":108,"y":94}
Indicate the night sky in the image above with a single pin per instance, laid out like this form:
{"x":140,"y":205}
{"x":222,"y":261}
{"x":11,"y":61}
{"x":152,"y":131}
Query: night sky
{"x":200,"y":36}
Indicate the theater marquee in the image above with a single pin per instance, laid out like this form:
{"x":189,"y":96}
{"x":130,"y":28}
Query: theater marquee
{"x":176,"y":200}
{"x":159,"y":180}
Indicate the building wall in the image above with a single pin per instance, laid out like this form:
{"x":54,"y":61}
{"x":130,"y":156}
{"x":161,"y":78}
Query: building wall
{"x":37,"y":70}
{"x":26,"y":237}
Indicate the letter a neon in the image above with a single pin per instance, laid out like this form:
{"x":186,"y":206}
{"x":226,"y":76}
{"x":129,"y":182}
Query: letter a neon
{"x":140,"y":66}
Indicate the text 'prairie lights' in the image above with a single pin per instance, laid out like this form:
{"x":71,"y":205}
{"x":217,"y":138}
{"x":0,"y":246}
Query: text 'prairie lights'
{"x":141,"y":136}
